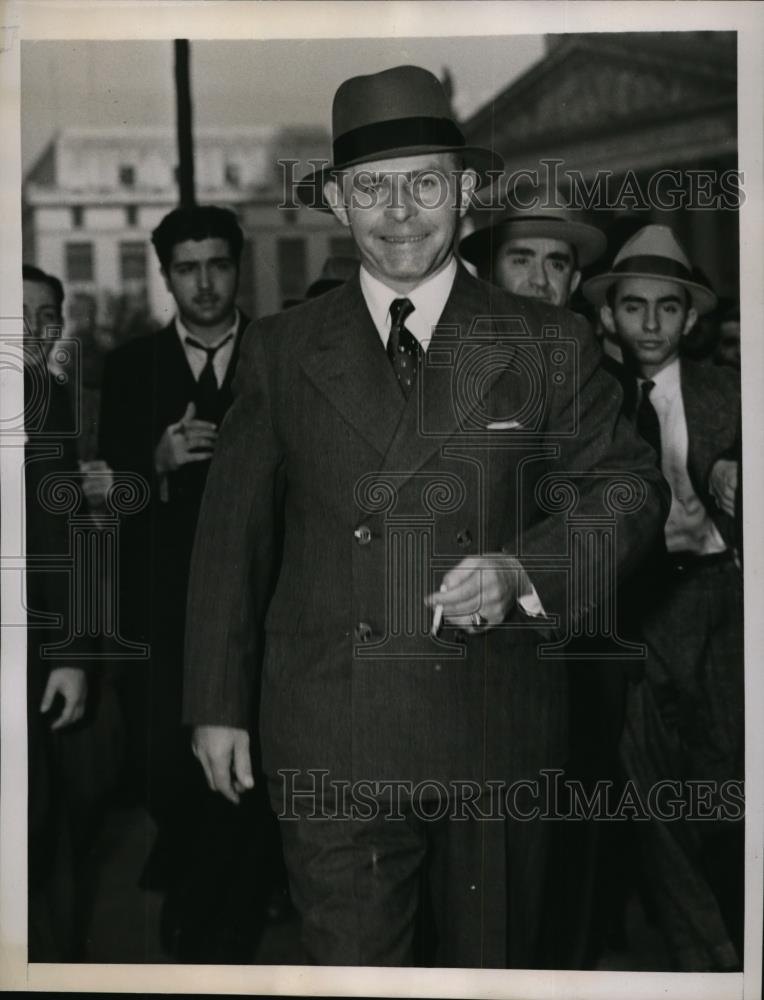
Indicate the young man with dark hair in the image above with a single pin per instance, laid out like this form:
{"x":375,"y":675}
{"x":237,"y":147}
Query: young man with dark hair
{"x":164,"y":397}
{"x":684,"y":720}
{"x":197,"y":224}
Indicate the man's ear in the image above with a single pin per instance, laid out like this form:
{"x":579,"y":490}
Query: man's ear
{"x":575,"y":281}
{"x":690,"y":321}
{"x":335,"y":200}
{"x":608,"y":320}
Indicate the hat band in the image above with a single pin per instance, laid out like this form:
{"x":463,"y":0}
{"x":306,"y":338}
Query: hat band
{"x":663,"y":267}
{"x":397,"y":133}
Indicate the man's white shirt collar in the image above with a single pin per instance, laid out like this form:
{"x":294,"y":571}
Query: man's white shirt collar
{"x":667,"y":381}
{"x":429,"y":300}
{"x":183,"y":332}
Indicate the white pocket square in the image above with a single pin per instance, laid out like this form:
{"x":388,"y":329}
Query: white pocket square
{"x":504,"y":425}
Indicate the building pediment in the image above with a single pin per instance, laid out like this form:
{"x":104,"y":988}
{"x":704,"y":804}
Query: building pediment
{"x":585,"y":88}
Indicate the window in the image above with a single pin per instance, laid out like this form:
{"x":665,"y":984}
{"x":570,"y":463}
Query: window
{"x":127,"y":176}
{"x":76,"y":216}
{"x":131,"y":215}
{"x":291,"y":258}
{"x":79,"y":261}
{"x":232,"y":174}
{"x":132,"y":261}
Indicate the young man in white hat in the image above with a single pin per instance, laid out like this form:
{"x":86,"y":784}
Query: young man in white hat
{"x":685,"y":719}
{"x":537,"y":247}
{"x":360,"y":563}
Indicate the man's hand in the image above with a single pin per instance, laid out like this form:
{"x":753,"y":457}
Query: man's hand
{"x":189,"y":440}
{"x":487,"y":586}
{"x":722,"y":484}
{"x":72,"y":684}
{"x":97,"y":481}
{"x":223,"y":752}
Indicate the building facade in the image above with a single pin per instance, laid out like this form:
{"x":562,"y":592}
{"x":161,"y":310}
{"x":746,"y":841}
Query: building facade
{"x":642,"y":128}
{"x":94,"y":196}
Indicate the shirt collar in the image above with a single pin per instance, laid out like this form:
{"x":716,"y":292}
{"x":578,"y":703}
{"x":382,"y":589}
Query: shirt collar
{"x":183,"y":331}
{"x":429,"y":300}
{"x":666,"y":381}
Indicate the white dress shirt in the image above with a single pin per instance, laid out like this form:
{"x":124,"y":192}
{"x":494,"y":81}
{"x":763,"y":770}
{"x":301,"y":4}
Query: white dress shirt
{"x":429,"y":300}
{"x":689,"y":527}
{"x":197,"y":358}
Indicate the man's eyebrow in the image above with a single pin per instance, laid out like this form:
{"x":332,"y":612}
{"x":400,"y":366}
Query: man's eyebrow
{"x":641,"y":299}
{"x":409,"y":175}
{"x":528,"y":251}
{"x":207,"y":260}
{"x":561,"y":255}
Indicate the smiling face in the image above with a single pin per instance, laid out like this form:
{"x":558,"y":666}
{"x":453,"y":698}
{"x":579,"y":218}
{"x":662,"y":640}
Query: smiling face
{"x":403,"y":214}
{"x":649,"y":317}
{"x":537,"y":267}
{"x":202,"y":277}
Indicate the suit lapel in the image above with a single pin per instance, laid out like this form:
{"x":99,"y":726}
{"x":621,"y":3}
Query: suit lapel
{"x":173,"y":380}
{"x":230,"y":371}
{"x":445,"y":402}
{"x":347,"y":363}
{"x":706,"y":414}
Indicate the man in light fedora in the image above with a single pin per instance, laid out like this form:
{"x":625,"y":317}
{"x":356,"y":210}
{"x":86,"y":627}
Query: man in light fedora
{"x":359,"y":571}
{"x":685,"y":719}
{"x":537,"y":247}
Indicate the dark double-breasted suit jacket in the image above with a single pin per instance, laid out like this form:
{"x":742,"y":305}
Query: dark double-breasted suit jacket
{"x":333,"y":506}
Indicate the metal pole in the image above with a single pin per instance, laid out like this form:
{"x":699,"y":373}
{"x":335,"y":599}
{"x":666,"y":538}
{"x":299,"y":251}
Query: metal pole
{"x":186,"y":187}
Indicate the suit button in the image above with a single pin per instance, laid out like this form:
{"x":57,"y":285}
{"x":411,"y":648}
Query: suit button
{"x":464,"y":538}
{"x":362,"y":535}
{"x":363,"y":632}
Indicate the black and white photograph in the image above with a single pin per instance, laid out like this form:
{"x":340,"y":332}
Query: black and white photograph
{"x":380,"y":417}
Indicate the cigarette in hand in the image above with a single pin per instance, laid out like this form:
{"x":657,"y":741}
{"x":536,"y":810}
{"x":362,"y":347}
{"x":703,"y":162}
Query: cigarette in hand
{"x":437,"y":618}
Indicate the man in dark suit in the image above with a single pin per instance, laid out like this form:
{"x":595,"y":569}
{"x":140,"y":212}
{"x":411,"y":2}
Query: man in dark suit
{"x":56,"y":691}
{"x":375,"y":553}
{"x":684,"y":720}
{"x":535,"y":247}
{"x":163,"y":399}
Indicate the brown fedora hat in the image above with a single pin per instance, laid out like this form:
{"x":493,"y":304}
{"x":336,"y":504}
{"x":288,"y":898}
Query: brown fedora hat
{"x":541,"y":215}
{"x":402,"y":111}
{"x":652,"y":252}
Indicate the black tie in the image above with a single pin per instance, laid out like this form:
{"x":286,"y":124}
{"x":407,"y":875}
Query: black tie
{"x":648,"y":424}
{"x":403,"y":348}
{"x":207,"y":383}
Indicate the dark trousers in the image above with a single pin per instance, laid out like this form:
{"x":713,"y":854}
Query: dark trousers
{"x":218,"y":864}
{"x":684,"y":722}
{"x":463,"y":893}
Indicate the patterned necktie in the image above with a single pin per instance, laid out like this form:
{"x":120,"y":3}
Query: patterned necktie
{"x":403,"y":349}
{"x":648,"y":423}
{"x":207,"y":384}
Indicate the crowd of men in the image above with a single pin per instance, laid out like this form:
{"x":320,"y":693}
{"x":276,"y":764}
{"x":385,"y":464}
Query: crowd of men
{"x":351,"y":565}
